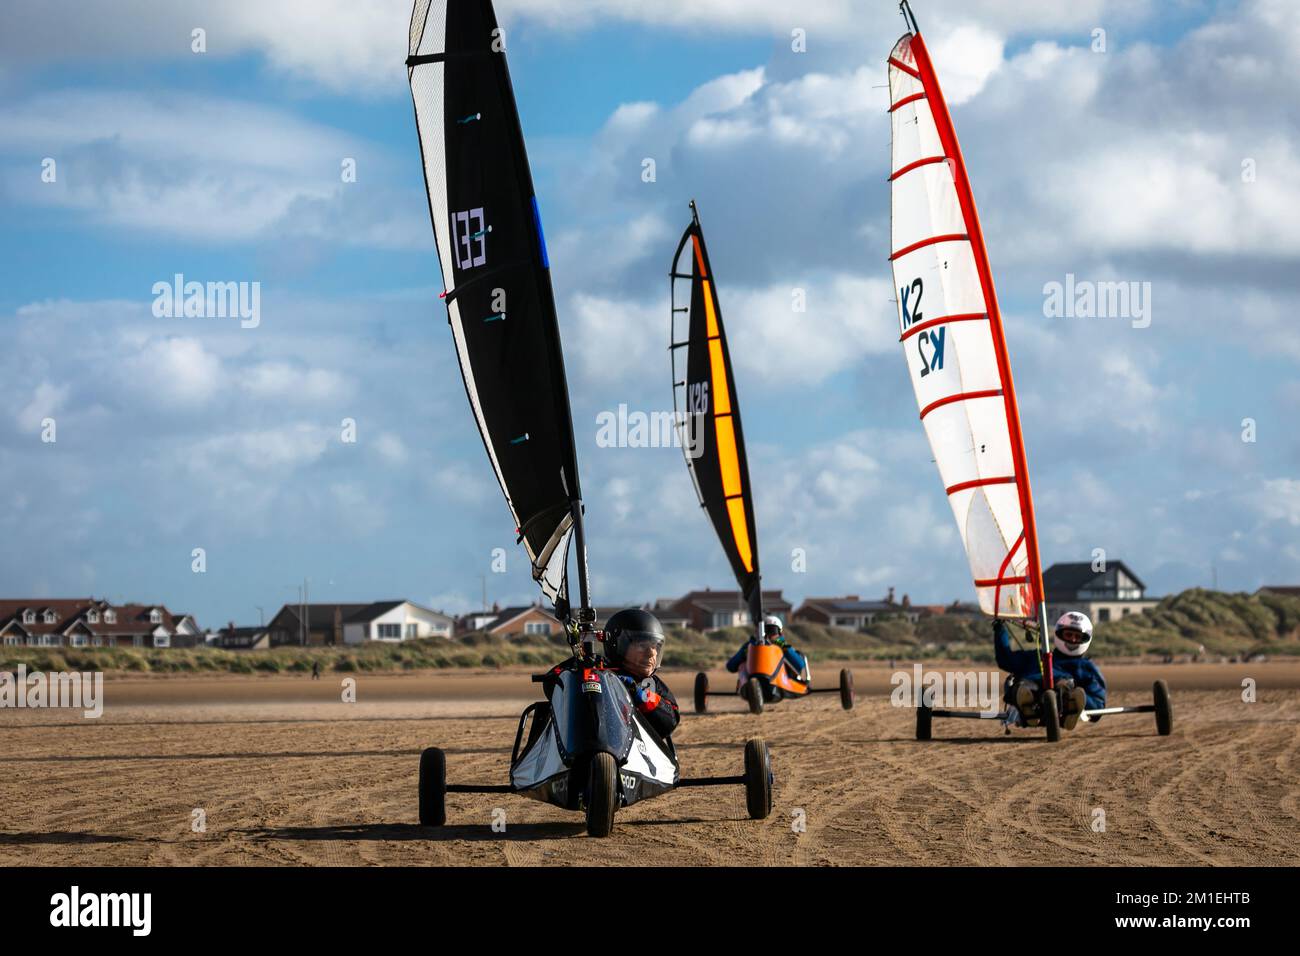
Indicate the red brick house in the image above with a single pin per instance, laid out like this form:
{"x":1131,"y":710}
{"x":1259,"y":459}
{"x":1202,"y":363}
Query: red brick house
{"x":532,"y":621}
{"x":89,"y":622}
{"x":709,"y":610}
{"x":853,"y":613}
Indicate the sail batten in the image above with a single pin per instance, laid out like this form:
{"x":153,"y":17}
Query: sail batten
{"x":495,"y":277}
{"x":950,"y":329}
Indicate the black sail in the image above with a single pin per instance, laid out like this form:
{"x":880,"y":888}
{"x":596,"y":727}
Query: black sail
{"x":496,"y":276}
{"x":704,"y":399}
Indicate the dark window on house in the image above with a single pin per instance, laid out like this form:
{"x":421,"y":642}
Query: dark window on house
{"x":1103,"y":615}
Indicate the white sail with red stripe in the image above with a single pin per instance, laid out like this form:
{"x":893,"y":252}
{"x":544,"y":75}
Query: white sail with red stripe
{"x":952,"y":336}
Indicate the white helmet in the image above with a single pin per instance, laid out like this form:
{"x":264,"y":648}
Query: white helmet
{"x":771,"y":625}
{"x":1074,"y":621}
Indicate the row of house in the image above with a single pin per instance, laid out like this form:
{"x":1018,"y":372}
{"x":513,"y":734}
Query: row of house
{"x":318,"y":625}
{"x":91,"y":622}
{"x":1104,"y":595}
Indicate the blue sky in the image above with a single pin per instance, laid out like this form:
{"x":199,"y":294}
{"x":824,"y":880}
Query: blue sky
{"x":175,"y":434}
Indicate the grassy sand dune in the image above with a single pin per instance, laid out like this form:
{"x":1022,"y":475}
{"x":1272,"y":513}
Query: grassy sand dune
{"x":1229,"y":626}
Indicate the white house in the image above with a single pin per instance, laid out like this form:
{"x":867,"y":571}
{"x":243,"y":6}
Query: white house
{"x":396,"y":621}
{"x":1105,"y":592}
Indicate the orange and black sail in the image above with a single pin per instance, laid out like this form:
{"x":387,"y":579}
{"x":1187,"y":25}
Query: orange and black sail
{"x":708,"y":415}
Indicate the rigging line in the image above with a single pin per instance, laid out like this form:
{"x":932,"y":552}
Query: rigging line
{"x":468,"y":284}
{"x":425,"y":58}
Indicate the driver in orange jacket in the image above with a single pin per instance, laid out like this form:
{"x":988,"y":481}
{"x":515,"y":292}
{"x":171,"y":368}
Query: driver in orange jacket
{"x":774,"y":632}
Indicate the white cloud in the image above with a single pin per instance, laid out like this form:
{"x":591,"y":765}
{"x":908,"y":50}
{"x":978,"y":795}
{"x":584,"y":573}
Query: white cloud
{"x":201,"y":167}
{"x":177,"y":369}
{"x":259,"y":452}
{"x":846,"y":319}
{"x":46,"y":400}
{"x":829,"y":20}
{"x":468,"y":482}
{"x":340,"y":45}
{"x":1279,"y":501}
{"x":1129,"y":389}
{"x":287,"y":380}
{"x":968,"y":55}
{"x":391,"y":448}
{"x":356,"y":508}
{"x":358,"y":49}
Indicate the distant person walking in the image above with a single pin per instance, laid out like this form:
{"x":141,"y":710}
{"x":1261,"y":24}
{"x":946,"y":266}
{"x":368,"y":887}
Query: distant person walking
{"x":315,"y":670}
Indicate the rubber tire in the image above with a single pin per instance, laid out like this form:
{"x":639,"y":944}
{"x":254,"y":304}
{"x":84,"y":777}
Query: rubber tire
{"x":1050,"y":716}
{"x":754,"y":695}
{"x":924,"y":722}
{"x":433,"y":788}
{"x":758,"y":779}
{"x":701,"y":692}
{"x":1164,"y":708}
{"x":846,"y":689}
{"x":602,"y":795}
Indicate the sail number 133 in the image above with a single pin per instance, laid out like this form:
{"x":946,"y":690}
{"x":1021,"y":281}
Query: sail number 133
{"x":469,"y":237}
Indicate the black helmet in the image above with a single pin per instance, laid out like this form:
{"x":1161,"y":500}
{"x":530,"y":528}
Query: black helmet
{"x":629,"y":626}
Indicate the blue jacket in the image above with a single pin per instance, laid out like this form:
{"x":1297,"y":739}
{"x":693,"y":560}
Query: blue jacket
{"x":794,"y":657}
{"x":1022,"y":664}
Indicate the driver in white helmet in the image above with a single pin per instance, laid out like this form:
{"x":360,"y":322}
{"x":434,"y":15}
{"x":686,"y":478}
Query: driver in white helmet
{"x":1078,"y":679}
{"x":774,"y":632}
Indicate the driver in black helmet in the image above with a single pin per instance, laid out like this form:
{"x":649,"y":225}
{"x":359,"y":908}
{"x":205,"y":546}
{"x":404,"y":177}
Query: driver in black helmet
{"x":634,"y":643}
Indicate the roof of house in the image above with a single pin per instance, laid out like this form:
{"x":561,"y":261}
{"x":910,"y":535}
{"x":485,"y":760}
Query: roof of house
{"x":1070,"y":577}
{"x":850,"y":605}
{"x":372,"y":611}
{"x":664,"y":606}
{"x":956,"y":607}
{"x":67,"y":611}
{"x":727,"y":600}
{"x":241,"y":631}
{"x":510,"y":613}
{"x":134,"y":618}
{"x":72,"y":612}
{"x":321,"y":616}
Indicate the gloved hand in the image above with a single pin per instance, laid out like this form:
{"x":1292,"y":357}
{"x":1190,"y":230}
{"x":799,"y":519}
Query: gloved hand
{"x":642,"y":697}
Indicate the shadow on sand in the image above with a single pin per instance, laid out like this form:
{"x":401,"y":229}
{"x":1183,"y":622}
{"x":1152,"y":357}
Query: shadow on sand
{"x":407,"y":832}
{"x":88,"y":724}
{"x":263,"y":755}
{"x":70,"y":838}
